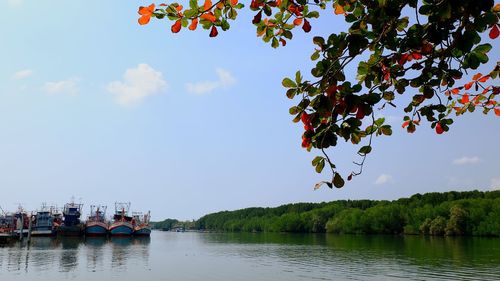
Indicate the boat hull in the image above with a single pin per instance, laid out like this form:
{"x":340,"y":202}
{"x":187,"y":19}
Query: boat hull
{"x":142,"y":231}
{"x":74,"y":230}
{"x":121,"y":229}
{"x":96,"y":229}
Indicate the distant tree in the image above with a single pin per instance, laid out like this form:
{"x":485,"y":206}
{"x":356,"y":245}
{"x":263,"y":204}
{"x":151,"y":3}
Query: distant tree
{"x":437,"y":226}
{"x":407,"y":51}
{"x":457,"y":224}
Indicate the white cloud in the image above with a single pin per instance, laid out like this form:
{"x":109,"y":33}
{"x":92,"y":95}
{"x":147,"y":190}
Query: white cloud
{"x":68,"y":86}
{"x":495,"y":184}
{"x":138,"y":83}
{"x":225,"y":80}
{"x":14,"y":3}
{"x":21,"y":74}
{"x":383,"y":179}
{"x":466,"y":160}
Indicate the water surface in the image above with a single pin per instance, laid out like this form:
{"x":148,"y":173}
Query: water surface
{"x":249,"y":256}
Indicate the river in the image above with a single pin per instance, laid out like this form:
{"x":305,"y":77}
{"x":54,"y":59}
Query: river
{"x":251,"y":256}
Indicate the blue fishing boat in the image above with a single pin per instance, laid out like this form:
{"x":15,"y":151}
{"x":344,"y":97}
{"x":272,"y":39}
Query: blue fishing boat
{"x":141,"y":224}
{"x":71,"y":224}
{"x":96,"y":224}
{"x":122,"y":222}
{"x":43,"y":222}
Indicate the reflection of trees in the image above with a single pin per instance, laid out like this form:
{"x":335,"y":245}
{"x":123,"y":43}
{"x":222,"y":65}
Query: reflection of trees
{"x":368,"y":254}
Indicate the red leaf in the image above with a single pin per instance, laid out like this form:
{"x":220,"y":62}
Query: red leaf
{"x":455,"y":91}
{"x":214,"y":31}
{"x":494,"y":32}
{"x":176,"y":27}
{"x":439,"y":129}
{"x":207,"y":5}
{"x":208,"y":16}
{"x":468,"y":85}
{"x":416,"y":55}
{"x":405,"y":124}
{"x":360,"y":114}
{"x":297,"y":21}
{"x":339,"y":9}
{"x":283,"y":42}
{"x":305,"y":118}
{"x":403,"y":59}
{"x":465,"y":99}
{"x":484,"y":79}
{"x":497,"y":111}
{"x":307,"y":26}
{"x":194,"y":24}
{"x":257,"y":18}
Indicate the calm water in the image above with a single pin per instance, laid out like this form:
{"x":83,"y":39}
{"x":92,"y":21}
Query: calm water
{"x":198,"y":256}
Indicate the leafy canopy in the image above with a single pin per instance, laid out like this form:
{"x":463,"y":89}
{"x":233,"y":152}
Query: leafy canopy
{"x":416,"y":49}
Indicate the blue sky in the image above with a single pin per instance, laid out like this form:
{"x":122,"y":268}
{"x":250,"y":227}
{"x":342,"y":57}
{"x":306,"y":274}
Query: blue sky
{"x":94,"y":106}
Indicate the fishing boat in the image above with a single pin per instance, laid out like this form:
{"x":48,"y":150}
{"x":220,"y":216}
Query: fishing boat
{"x":43,"y":222}
{"x":21,"y":220}
{"x":7,"y":226}
{"x":96,"y":224}
{"x":141,"y":224}
{"x":122,"y":222}
{"x":71,"y":224}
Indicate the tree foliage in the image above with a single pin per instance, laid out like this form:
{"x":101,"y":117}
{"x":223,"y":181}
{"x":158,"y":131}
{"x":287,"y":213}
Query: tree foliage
{"x":449,"y":213}
{"x":410,"y":54}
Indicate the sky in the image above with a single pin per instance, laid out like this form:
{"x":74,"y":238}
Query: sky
{"x":94,"y":106}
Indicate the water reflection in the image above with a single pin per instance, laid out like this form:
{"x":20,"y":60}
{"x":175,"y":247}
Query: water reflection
{"x":247,"y":256}
{"x":396,"y":257}
{"x":63,"y":254}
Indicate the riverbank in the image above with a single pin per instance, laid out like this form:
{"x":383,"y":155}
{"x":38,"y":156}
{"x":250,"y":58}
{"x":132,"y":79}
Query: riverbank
{"x":470,"y":213}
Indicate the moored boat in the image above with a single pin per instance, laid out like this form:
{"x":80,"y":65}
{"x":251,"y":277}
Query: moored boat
{"x":122,"y":222}
{"x":22,"y":221}
{"x":96,"y":224}
{"x":7,"y":226}
{"x":43,"y":222}
{"x":71,"y":224}
{"x":141,"y":224}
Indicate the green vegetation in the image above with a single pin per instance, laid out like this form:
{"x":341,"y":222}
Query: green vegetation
{"x":171,"y":224}
{"x":166,"y":224}
{"x":449,"y":213}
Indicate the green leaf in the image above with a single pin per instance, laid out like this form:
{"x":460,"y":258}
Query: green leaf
{"x":288,"y":83}
{"x":386,"y":130}
{"x":320,"y":166}
{"x":483,"y":49}
{"x":338,"y":181}
{"x":275,"y":43}
{"x":380,"y":121}
{"x":313,"y":14}
{"x":315,"y":55}
{"x":298,"y":77}
{"x":402,"y":24}
{"x":316,"y":160}
{"x":365,"y":149}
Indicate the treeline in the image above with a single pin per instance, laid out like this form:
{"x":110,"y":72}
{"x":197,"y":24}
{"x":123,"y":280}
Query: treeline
{"x":170,"y":224}
{"x":448,"y":213}
{"x":166,"y":224}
